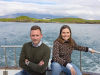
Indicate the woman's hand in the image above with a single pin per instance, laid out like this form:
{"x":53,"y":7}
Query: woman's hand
{"x":73,"y":72}
{"x":92,"y":51}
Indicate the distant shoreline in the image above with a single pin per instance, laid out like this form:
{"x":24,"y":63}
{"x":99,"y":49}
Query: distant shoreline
{"x":26,"y":19}
{"x":56,"y":22}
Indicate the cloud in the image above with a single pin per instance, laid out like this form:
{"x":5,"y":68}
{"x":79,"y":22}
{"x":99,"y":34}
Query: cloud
{"x":86,"y":9}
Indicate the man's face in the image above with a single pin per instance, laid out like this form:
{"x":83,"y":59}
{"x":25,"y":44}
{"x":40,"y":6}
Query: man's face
{"x":36,"y":36}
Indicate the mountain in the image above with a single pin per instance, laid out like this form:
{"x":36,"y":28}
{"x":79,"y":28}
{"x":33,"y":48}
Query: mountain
{"x":37,"y":16}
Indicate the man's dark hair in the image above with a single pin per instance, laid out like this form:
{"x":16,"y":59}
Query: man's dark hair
{"x":35,"y":28}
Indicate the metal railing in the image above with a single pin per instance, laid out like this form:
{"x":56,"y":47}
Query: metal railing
{"x":14,"y":54}
{"x":81,"y":59}
{"x":21,"y":46}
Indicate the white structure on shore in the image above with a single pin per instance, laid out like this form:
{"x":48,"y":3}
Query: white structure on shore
{"x":46,"y":18}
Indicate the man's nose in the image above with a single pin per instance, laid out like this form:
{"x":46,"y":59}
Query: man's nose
{"x":35,"y":37}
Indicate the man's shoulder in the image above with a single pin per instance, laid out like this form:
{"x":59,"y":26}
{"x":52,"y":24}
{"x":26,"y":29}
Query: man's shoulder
{"x":28,"y":44}
{"x":45,"y":46}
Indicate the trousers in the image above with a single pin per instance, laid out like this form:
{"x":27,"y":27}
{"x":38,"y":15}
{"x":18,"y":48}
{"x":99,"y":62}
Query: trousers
{"x":57,"y":68}
{"x":23,"y":72}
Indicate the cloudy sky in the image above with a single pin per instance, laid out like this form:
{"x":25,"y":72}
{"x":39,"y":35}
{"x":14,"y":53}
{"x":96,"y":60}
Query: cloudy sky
{"x":86,"y":9}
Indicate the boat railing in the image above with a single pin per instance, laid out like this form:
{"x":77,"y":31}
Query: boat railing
{"x":21,"y":46}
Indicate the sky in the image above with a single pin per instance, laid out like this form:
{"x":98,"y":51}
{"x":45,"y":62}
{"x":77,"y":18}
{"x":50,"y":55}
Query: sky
{"x":85,"y":9}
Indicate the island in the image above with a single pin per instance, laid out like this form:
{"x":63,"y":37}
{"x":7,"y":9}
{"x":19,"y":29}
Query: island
{"x":55,"y":20}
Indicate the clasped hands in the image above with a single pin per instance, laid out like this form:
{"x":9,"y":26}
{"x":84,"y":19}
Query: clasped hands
{"x":40,"y":63}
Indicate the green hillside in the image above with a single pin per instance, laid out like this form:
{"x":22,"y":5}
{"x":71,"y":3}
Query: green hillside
{"x":74,"y":20}
{"x":56,"y":20}
{"x":22,"y":19}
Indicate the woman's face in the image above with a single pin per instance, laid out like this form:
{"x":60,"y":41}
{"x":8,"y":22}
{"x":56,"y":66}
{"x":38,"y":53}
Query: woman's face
{"x":65,"y":34}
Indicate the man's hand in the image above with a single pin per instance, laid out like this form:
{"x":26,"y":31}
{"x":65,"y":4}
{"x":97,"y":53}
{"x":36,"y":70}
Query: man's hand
{"x":73,"y":72}
{"x":41,"y":63}
{"x":26,"y":60}
{"x":92,"y":51}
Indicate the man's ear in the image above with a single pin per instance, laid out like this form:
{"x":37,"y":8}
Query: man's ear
{"x":30,"y":35}
{"x":41,"y":35}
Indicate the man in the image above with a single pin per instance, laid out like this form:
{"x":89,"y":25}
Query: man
{"x":35,"y":55}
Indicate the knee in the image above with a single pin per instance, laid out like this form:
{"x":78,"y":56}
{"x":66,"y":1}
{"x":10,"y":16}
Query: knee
{"x":56,"y":68}
{"x":55,"y":65}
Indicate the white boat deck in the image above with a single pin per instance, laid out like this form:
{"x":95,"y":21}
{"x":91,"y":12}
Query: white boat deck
{"x":9,"y":72}
{"x":13,"y":72}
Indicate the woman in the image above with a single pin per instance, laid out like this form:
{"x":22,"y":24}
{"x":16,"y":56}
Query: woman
{"x":62,"y":50}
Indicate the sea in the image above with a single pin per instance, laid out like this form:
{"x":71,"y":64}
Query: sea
{"x":18,"y":33}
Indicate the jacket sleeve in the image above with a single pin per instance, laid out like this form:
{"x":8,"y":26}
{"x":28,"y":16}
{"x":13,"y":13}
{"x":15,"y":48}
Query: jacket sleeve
{"x":22,"y":59}
{"x":80,"y":48}
{"x":56,"y":56}
{"x":38,"y":68}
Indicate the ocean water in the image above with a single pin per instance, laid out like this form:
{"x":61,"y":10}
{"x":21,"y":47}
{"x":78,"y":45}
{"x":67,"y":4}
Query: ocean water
{"x":17,"y":33}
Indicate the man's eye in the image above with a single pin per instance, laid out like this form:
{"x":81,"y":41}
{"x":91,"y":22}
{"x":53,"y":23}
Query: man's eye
{"x":32,"y":35}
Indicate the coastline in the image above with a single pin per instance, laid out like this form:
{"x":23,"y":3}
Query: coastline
{"x":26,"y":19}
{"x":51,"y":22}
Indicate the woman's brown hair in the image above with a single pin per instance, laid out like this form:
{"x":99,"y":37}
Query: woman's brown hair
{"x":61,"y":40}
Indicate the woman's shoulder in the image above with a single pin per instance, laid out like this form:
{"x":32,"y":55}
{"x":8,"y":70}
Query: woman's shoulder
{"x":73,"y":40}
{"x":56,"y":41}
